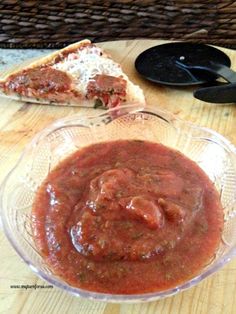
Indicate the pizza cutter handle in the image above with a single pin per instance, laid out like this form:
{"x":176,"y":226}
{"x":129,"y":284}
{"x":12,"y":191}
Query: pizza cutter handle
{"x":225,"y":93}
{"x":219,"y":70}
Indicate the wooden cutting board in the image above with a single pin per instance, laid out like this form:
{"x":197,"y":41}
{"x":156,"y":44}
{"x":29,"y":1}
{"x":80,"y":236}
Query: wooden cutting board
{"x":19,"y":122}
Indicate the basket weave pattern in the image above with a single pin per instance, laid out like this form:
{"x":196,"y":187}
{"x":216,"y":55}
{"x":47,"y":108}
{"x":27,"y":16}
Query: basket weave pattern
{"x":57,"y":23}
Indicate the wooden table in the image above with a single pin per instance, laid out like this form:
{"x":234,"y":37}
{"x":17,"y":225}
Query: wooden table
{"x":20,"y":122}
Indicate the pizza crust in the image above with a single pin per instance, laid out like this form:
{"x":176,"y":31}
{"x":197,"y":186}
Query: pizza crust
{"x":42,"y":101}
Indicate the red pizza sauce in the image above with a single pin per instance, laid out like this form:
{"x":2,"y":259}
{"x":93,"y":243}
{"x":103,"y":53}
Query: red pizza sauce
{"x":127,"y":217}
{"x":42,"y":80}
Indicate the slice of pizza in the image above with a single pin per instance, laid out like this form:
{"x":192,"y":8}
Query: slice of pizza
{"x":81,"y":74}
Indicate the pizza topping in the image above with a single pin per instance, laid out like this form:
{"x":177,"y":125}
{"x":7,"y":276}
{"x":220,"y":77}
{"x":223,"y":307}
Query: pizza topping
{"x":72,"y":53}
{"x":39,"y":80}
{"x":85,"y":64}
{"x":106,"y":84}
{"x":111,"y":90}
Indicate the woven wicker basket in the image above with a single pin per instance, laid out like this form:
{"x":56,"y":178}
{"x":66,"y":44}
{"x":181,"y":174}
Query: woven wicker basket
{"x":57,"y":23}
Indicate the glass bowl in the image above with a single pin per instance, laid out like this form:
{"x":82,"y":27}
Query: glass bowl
{"x":212,"y":152}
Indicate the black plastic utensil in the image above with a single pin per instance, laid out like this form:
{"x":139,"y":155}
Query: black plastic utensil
{"x":158,"y":64}
{"x":217,"y":94}
{"x":217,"y":69}
{"x":225,"y":93}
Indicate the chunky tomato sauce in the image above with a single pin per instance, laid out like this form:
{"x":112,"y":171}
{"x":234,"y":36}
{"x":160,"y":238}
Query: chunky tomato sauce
{"x":127,"y":217}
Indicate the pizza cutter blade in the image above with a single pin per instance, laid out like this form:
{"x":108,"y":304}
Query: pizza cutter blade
{"x":225,"y":93}
{"x":158,"y":64}
{"x":210,"y":67}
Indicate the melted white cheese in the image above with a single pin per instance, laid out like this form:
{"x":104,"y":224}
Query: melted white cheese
{"x":84,"y":64}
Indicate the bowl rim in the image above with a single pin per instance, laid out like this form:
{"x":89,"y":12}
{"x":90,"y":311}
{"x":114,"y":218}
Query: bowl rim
{"x":70,"y":121}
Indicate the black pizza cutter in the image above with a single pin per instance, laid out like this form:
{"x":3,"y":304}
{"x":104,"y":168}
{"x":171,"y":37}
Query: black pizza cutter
{"x":185,"y":64}
{"x":225,"y":93}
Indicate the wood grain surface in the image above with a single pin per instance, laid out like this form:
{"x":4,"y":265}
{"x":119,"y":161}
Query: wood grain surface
{"x":19,"y":122}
